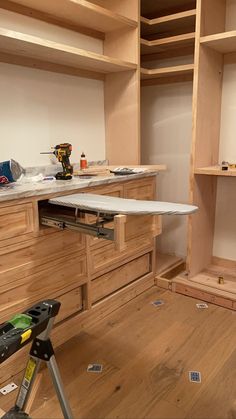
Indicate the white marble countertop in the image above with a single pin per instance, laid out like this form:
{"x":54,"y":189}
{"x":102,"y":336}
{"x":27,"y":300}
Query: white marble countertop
{"x":37,"y":189}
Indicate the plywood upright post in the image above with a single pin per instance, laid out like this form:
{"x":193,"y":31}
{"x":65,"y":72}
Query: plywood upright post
{"x":207,"y":92}
{"x":122,"y":92}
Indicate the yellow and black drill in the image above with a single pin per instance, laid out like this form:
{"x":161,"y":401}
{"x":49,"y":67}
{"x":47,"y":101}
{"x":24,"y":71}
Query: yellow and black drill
{"x":62,"y":153}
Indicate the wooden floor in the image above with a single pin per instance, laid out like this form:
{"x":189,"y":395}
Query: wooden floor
{"x":147,"y":353}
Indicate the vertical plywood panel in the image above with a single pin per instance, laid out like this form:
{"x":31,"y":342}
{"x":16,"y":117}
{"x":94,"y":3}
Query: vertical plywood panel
{"x":205,"y":147}
{"x":122,"y":108}
{"x":213,"y":16}
{"x":122,"y":91}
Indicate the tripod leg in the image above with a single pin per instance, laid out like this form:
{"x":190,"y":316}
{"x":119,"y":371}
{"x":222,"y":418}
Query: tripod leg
{"x":56,"y":378}
{"x":31,"y":371}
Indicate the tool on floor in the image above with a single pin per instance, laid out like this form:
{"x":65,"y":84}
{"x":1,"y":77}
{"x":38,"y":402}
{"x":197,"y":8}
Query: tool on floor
{"x":35,"y":325}
{"x":62,"y":153}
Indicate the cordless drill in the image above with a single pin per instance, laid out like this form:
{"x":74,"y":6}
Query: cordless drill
{"x":62,"y":153}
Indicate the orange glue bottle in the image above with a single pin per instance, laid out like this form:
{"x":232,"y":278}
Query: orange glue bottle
{"x":83,"y":161}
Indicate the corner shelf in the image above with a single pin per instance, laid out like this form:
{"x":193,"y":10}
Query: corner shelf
{"x":215,"y":171}
{"x":167,"y":75}
{"x":73,"y":13}
{"x":158,"y":45}
{"x":168,"y":23}
{"x":222,"y":42}
{"x":31,"y":51}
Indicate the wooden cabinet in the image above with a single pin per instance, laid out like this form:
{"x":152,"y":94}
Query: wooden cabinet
{"x":47,"y":263}
{"x":81,"y":272}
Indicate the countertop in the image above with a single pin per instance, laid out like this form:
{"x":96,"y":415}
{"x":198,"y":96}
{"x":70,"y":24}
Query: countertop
{"x":19,"y":190}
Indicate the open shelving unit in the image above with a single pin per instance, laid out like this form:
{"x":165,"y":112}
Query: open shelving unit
{"x":168,"y":23}
{"x":79,"y":14}
{"x":215,"y":47}
{"x":16,"y":44}
{"x":167,"y":57}
{"x":116,"y":25}
{"x":158,"y":45}
{"x":167,"y":75}
{"x":224,"y":43}
{"x":167,"y":32}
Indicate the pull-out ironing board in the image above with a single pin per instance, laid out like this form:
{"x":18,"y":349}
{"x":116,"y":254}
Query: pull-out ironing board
{"x":121,"y":212}
{"x":113,"y":205}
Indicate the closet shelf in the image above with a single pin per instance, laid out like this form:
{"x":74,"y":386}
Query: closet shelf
{"x":168,"y":23}
{"x":74,"y":12}
{"x":31,"y":51}
{"x":167,"y":75}
{"x":215,"y":171}
{"x":222,"y":42}
{"x":160,"y":45}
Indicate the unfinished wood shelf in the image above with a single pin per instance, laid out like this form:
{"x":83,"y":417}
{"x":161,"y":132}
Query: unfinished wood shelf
{"x":150,"y":8}
{"x":221,"y":42}
{"x":205,"y":285}
{"x":167,"y":75}
{"x":172,"y":42}
{"x":215,"y":171}
{"x":19,"y":48}
{"x":168,"y":267}
{"x":76,"y":13}
{"x":168,"y":23}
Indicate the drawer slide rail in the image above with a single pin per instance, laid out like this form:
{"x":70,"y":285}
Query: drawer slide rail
{"x":97,"y":229}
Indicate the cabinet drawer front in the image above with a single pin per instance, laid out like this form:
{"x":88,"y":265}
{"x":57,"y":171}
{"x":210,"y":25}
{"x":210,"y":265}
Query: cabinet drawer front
{"x":50,"y":282}
{"x":71,"y":303}
{"x":140,"y":189}
{"x":118,"y":278}
{"x":103,"y":257}
{"x":17,"y":263}
{"x":16,"y":220}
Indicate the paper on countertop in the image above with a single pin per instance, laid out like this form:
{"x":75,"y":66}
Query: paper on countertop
{"x":114,"y":205}
{"x":30,"y":179}
{"x":131,"y":169}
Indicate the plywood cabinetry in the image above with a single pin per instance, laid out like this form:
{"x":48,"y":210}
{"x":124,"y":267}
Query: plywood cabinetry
{"x":167,"y":33}
{"x":116,"y":26}
{"x":71,"y":267}
{"x":214,"y":45}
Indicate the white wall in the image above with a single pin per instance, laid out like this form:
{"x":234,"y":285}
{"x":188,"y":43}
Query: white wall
{"x":166,"y":139}
{"x":39,"y":109}
{"x":225,"y":224}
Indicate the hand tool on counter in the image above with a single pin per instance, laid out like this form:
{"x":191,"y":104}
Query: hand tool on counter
{"x":34,"y":325}
{"x":62,"y":153}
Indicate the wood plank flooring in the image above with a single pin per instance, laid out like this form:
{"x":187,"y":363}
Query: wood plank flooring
{"x":147,"y":353}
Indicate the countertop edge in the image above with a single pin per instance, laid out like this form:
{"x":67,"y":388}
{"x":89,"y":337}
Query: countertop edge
{"x":60,"y":187}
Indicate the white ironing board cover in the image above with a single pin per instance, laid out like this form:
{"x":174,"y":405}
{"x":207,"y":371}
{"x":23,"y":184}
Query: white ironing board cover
{"x":113,"y":205}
